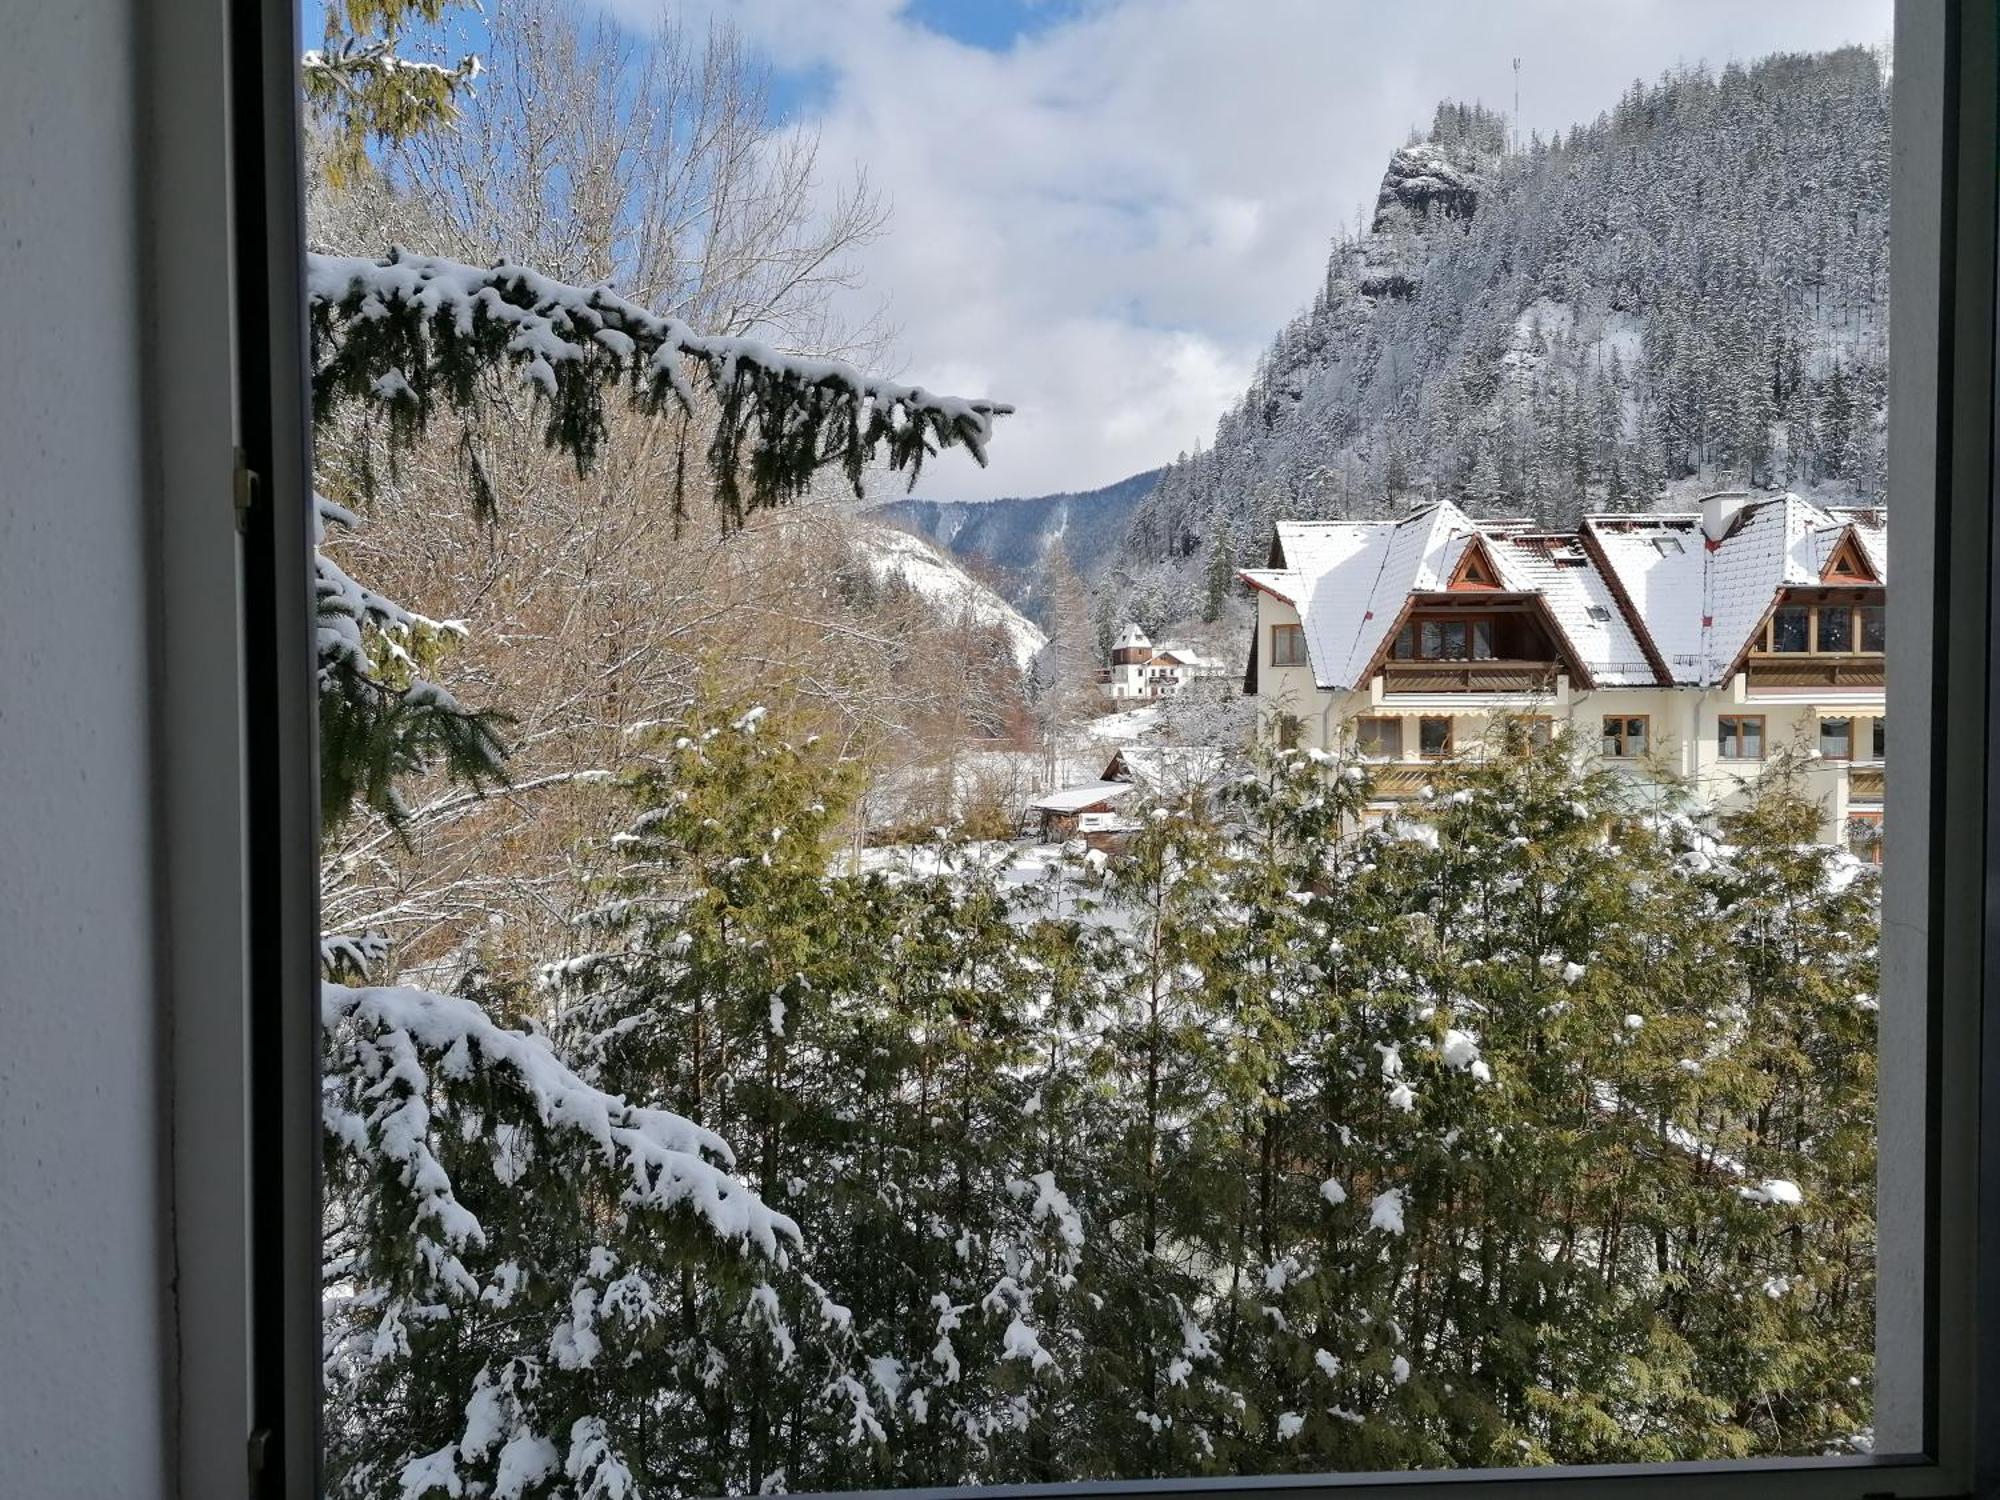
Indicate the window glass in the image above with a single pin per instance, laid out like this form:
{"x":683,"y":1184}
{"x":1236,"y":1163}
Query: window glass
{"x":1836,"y":738}
{"x":1791,"y":628}
{"x":1878,"y":737}
{"x":1379,"y":738}
{"x":1864,"y":836}
{"x":1874,"y":627}
{"x":1434,"y":736}
{"x":1482,"y":640}
{"x":1406,"y":642}
{"x":1740,"y":736}
{"x":1288,"y":645}
{"x":1625,"y":736}
{"x":1836,"y":628}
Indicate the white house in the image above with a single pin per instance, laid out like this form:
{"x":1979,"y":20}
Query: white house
{"x":1141,"y":670}
{"x":1697,"y":644}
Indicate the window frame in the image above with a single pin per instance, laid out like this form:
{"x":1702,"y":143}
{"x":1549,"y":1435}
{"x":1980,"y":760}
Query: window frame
{"x":1450,"y":737}
{"x":239,"y":782}
{"x":1624,"y":735}
{"x":1376,"y":757}
{"x":1815,"y":613}
{"x":1763,"y":737}
{"x":1294,"y":632}
{"x":1846,"y":756}
{"x":1412,"y":629}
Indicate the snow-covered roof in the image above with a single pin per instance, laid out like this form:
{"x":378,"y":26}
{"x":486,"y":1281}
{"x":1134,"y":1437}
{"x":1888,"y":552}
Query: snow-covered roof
{"x":1132,"y":638}
{"x":1635,"y":599}
{"x":1077,"y":798}
{"x":1350,"y":580}
{"x":1700,"y":584}
{"x":1662,"y":566}
{"x":1167,"y":768}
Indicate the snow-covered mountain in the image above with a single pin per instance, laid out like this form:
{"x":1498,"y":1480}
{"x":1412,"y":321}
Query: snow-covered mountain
{"x":1688,"y":292}
{"x":1012,"y":536}
{"x":960,"y":598}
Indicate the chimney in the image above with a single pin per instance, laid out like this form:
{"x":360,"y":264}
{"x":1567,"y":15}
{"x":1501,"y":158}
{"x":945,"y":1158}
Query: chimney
{"x":1717,"y":511}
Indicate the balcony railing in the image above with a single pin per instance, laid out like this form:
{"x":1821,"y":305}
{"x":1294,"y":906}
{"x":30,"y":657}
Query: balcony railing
{"x":1865,"y":782}
{"x":1469,"y":677}
{"x":1398,"y":779}
{"x":1798,"y":669}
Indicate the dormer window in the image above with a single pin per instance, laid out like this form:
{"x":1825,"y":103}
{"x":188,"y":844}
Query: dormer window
{"x":1668,"y":546}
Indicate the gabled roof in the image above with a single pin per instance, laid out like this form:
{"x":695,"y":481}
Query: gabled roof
{"x":1351,"y":580}
{"x":1077,"y":798}
{"x":1702,"y":603}
{"x":1634,"y":599}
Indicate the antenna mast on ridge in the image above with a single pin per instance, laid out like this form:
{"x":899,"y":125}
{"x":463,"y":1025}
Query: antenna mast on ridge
{"x":1517,"y":106}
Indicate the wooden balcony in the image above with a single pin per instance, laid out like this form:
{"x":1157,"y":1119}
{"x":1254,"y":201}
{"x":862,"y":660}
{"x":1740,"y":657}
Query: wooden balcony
{"x":1866,"y":783}
{"x":1469,"y":676}
{"x":1859,"y":669}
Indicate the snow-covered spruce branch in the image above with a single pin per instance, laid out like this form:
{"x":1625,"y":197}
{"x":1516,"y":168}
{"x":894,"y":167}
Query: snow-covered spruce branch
{"x":446,"y":1135}
{"x":415,"y":332}
{"x":388,"y":1041}
{"x":380,"y":719}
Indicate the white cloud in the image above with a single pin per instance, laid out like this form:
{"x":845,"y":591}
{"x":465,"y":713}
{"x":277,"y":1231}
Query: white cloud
{"x":1105,"y":223}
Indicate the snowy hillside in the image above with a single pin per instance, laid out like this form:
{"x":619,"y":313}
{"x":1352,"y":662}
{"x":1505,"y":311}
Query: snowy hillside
{"x":1013,"y":535}
{"x":959,"y":596}
{"x":1687,"y":293}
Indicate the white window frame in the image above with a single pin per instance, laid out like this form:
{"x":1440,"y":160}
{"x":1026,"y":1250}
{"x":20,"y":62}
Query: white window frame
{"x":236,"y":780}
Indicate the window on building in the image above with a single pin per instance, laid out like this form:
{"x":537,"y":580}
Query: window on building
{"x":1434,"y":736}
{"x":1791,"y":628}
{"x":1878,"y":738}
{"x":1826,"y":629}
{"x":1864,"y":835}
{"x":1625,"y":735}
{"x":1873,"y":627}
{"x":1442,"y":640}
{"x":1836,"y":739}
{"x":1740,"y":736}
{"x":1458,"y":639}
{"x":1668,"y":546}
{"x":1289,"y":728}
{"x":1288,"y":645}
{"x":1541,"y":730}
{"x":1379,"y":738}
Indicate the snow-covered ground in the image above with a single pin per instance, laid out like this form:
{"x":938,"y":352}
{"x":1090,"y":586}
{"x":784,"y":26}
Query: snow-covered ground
{"x":1126,"y":727}
{"x":897,"y":554}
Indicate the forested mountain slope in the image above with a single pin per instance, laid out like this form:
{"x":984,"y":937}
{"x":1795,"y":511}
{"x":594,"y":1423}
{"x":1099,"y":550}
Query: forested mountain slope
{"x":1013,"y":535}
{"x":1688,"y":292}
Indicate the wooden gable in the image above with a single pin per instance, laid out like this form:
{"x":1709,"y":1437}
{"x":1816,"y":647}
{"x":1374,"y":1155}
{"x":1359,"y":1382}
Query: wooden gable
{"x":1476,"y":569}
{"x":1848,"y":562}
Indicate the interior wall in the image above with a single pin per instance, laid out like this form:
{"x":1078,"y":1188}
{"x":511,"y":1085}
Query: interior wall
{"x":84,"y":1354}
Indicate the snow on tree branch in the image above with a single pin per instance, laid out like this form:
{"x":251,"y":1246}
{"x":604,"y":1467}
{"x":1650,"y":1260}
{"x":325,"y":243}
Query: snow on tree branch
{"x":394,"y":1041}
{"x":413,"y":332}
{"x":380,"y":718}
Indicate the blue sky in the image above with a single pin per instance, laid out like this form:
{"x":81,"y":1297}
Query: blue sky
{"x":1103,"y":209}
